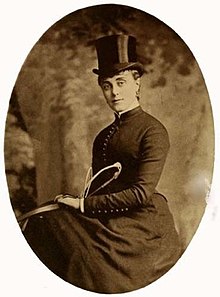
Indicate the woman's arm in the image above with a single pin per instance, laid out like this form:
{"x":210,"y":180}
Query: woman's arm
{"x":154,"y":147}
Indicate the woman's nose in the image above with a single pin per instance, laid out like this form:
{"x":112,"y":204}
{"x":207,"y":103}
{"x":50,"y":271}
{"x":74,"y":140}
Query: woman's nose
{"x":115,"y":90}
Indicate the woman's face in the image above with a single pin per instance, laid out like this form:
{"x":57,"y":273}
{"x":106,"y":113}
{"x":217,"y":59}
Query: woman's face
{"x":120,"y":91}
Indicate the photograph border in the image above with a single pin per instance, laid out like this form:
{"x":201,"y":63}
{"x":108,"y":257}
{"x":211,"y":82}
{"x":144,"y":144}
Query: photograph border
{"x":22,"y":26}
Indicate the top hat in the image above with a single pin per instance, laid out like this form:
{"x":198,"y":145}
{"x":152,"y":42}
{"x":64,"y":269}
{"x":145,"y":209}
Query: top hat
{"x":116,"y":53}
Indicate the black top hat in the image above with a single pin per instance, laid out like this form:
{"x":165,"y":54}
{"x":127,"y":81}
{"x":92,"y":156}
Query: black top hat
{"x":116,"y":53}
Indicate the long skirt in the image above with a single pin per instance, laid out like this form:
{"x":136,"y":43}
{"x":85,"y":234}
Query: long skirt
{"x":107,"y":254}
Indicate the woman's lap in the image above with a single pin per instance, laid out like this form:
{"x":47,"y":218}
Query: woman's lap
{"x":106,"y":255}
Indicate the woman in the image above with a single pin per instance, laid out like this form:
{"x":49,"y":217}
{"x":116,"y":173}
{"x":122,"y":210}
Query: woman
{"x":121,"y":237}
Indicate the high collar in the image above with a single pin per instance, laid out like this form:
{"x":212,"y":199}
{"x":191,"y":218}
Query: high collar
{"x":129,"y":114}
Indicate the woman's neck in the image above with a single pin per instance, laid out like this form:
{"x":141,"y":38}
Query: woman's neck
{"x":132,"y":106}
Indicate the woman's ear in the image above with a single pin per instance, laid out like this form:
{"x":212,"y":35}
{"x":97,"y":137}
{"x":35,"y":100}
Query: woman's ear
{"x":138,"y":86}
{"x":138,"y":82}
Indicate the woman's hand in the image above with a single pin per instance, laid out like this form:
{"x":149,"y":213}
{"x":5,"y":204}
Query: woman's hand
{"x":68,"y":199}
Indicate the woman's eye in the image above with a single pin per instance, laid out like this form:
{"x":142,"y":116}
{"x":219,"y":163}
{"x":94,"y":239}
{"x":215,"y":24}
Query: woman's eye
{"x":121,"y":83}
{"x":106,"y":87}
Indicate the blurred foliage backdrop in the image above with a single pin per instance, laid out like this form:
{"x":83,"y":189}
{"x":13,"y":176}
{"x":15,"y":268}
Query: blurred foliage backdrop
{"x":57,"y":108}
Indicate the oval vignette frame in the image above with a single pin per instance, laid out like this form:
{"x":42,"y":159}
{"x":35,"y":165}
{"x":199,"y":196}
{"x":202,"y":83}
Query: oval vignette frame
{"x":23,"y":89}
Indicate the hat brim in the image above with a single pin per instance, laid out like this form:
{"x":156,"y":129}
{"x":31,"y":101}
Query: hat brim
{"x":110,"y":71}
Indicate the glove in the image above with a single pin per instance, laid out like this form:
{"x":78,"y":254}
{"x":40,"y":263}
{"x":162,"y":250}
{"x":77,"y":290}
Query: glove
{"x":70,"y":200}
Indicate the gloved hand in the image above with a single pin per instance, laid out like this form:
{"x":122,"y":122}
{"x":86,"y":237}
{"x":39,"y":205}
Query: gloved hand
{"x":70,"y":200}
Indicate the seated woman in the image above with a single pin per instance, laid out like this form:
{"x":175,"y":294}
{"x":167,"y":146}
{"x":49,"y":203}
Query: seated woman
{"x":121,"y":237}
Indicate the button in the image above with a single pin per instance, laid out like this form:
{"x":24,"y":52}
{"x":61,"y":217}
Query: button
{"x":93,"y":211}
{"x":122,"y":209}
{"x":111,"y":210}
{"x":126,"y":208}
{"x":99,"y":211}
{"x":117,"y":210}
{"x":105,"y":211}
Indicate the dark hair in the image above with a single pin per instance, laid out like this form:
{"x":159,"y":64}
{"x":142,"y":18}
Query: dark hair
{"x":134,"y":72}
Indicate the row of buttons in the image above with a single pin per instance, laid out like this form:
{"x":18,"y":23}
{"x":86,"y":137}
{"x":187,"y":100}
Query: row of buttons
{"x":111,"y":132}
{"x":112,"y":210}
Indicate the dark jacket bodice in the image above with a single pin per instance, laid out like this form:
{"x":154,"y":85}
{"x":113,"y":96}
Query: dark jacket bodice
{"x":140,"y":143}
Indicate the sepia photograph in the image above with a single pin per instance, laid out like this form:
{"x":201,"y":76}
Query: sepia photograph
{"x":109,"y":148}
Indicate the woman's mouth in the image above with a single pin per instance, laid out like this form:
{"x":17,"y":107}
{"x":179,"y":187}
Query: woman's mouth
{"x":117,"y":100}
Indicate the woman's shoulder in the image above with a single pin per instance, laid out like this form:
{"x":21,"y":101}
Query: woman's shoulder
{"x":153,"y":131}
{"x":151,"y":122}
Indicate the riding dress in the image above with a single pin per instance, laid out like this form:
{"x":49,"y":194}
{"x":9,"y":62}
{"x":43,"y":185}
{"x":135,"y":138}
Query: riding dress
{"x":126,"y":237}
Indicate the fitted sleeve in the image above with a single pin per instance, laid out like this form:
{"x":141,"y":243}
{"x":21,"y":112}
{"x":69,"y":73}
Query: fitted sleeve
{"x":153,"y":149}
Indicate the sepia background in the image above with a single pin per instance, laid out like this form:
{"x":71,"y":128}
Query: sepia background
{"x":57,"y":108}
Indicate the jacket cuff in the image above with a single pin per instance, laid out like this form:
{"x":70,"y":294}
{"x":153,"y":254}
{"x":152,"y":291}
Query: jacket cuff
{"x":93,"y":209}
